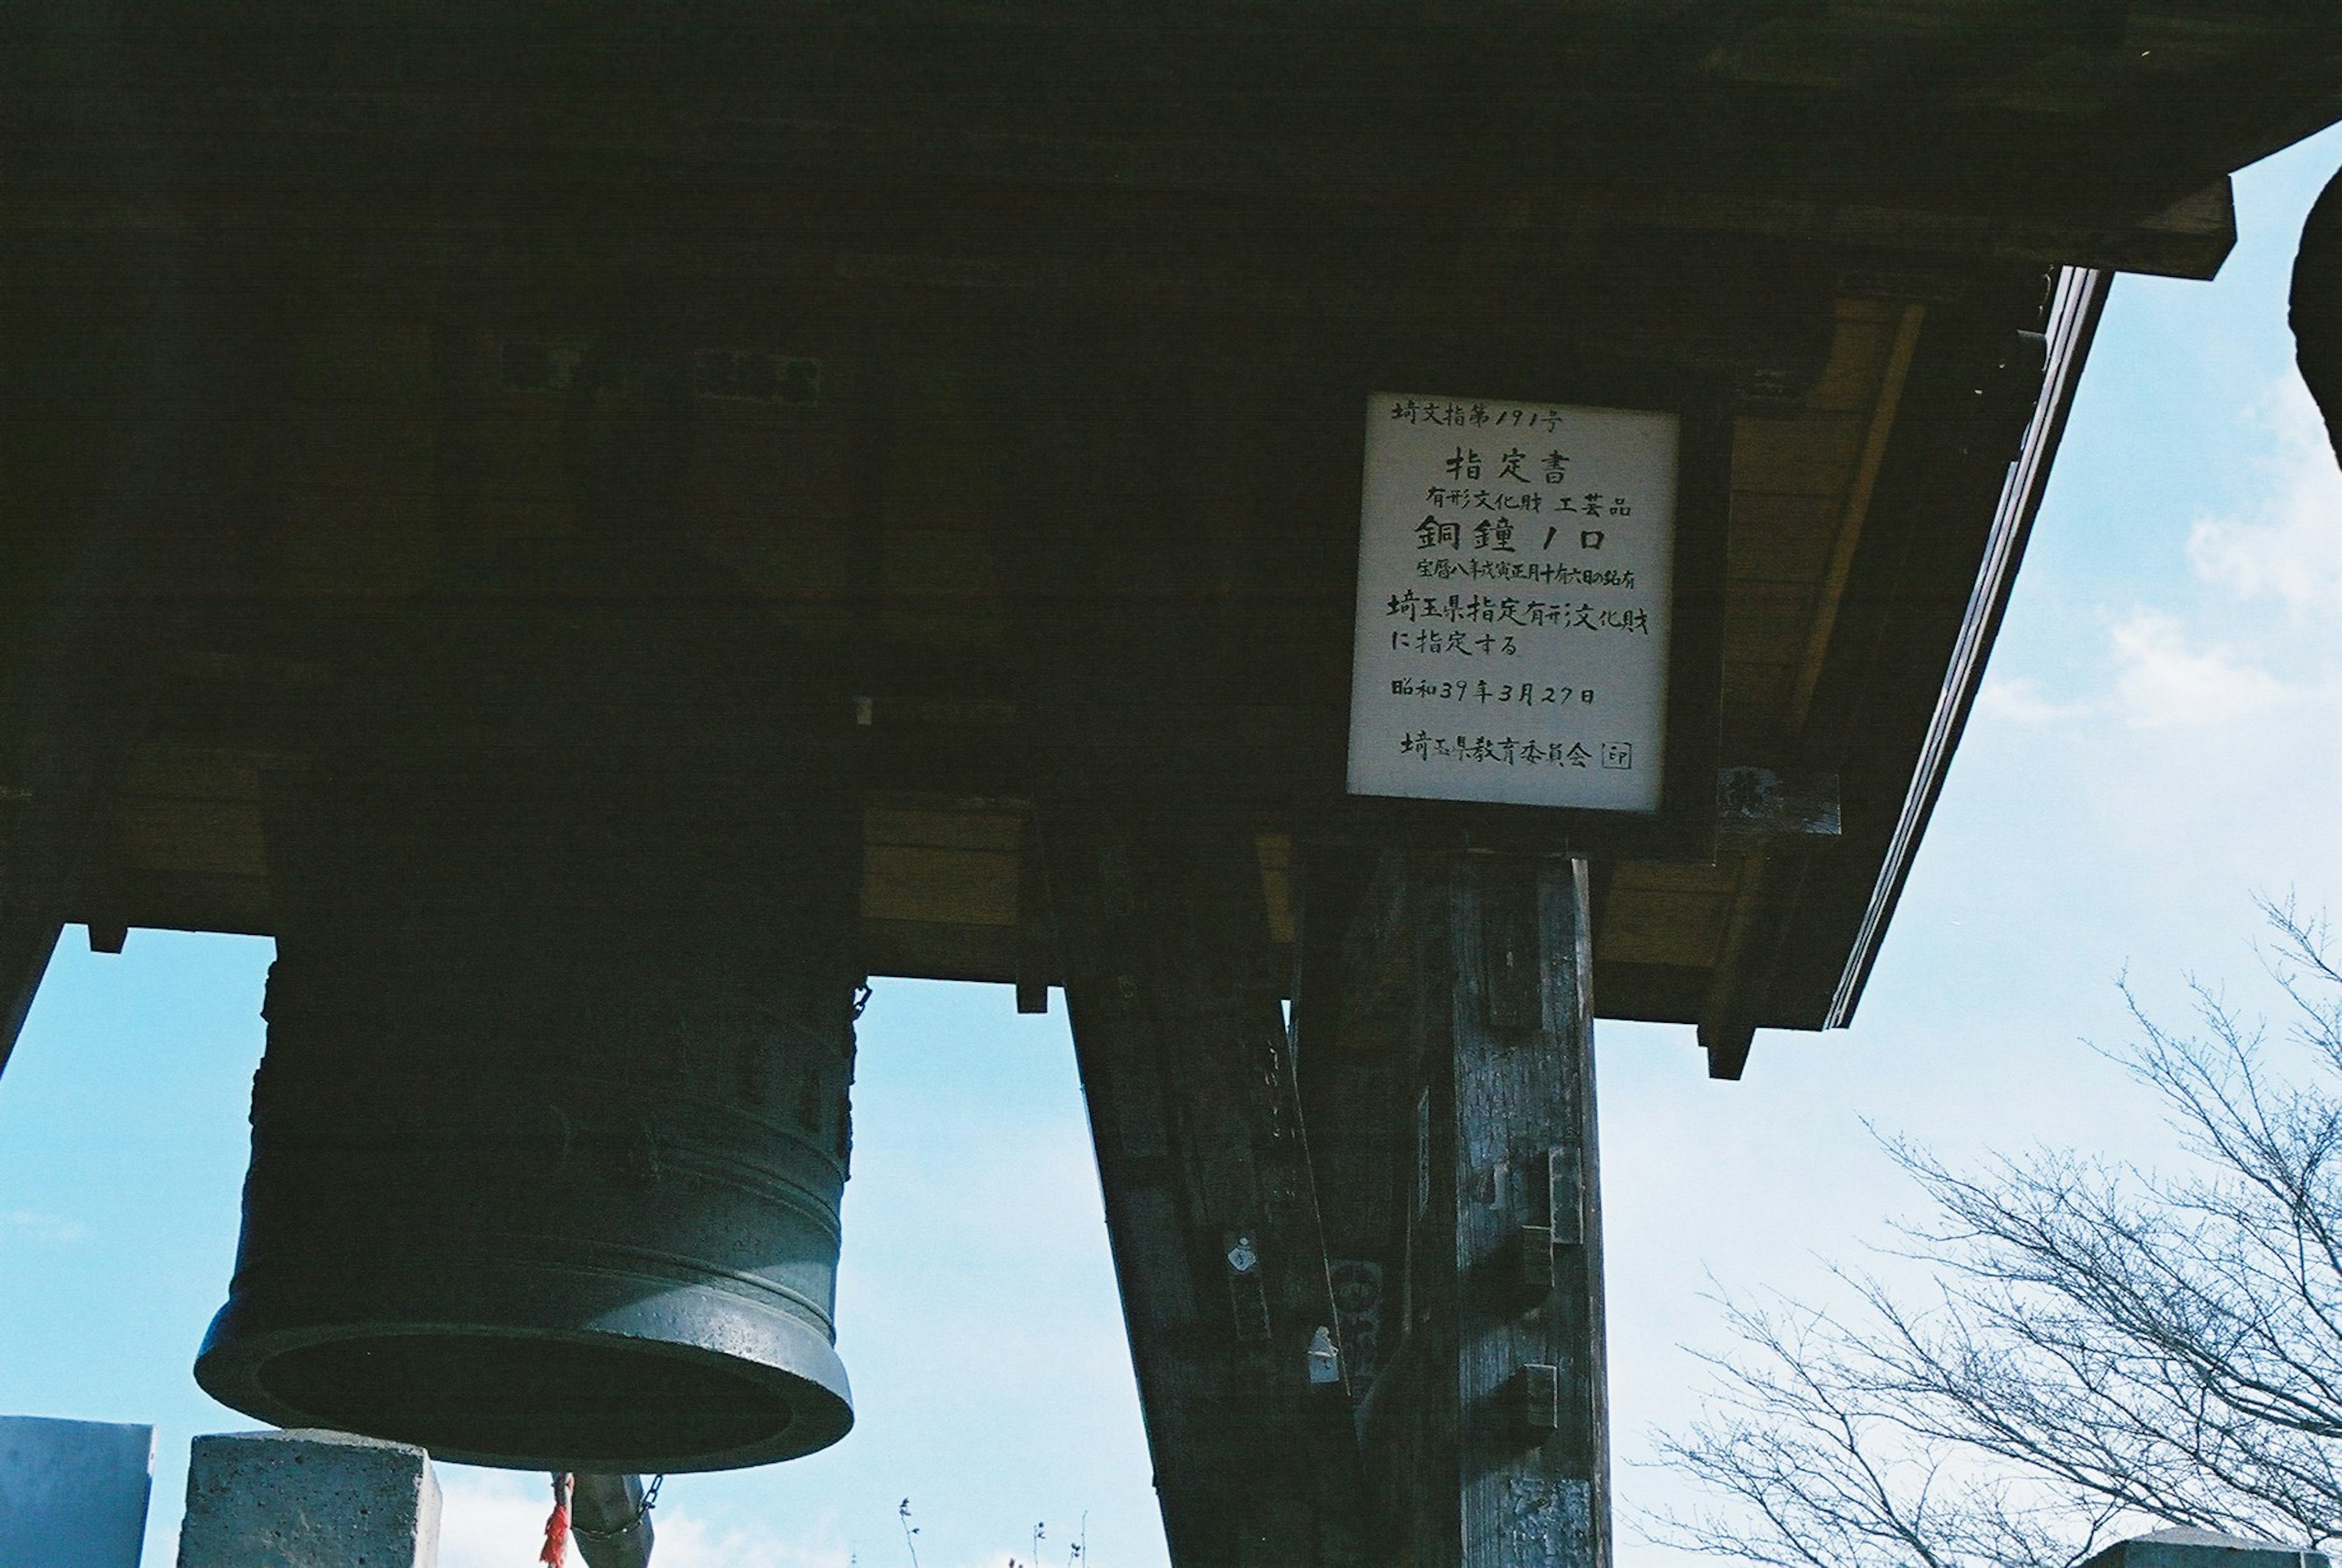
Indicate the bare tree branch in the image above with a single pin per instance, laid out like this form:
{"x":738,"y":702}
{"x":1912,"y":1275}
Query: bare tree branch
{"x":2108,"y":1346}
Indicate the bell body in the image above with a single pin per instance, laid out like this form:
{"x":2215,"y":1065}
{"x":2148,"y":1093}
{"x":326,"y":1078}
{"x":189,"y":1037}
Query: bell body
{"x":551,"y":1131}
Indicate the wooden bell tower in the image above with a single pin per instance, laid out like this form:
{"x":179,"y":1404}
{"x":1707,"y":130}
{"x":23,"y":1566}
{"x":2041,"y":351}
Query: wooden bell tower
{"x":1017,"y":359}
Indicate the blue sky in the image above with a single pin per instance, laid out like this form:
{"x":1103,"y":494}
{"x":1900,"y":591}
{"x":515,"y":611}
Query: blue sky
{"x":2160,"y":736}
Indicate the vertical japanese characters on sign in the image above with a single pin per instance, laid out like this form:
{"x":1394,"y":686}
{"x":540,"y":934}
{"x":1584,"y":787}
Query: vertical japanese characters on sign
{"x":1515,"y":573}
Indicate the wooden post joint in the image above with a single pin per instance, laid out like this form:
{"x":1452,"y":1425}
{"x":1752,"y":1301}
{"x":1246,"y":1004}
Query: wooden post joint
{"x":1538,"y":1389}
{"x":1534,"y":1273}
{"x":1564,"y":1195}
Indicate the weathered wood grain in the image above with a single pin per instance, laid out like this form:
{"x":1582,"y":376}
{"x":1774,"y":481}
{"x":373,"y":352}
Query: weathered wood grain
{"x":1211,"y":1204}
{"x":1487,"y":1433}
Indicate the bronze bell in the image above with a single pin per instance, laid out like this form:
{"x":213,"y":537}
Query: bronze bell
{"x":552,"y":1127}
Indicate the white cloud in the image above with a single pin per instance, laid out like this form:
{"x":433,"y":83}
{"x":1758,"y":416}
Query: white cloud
{"x":684,"y":1542}
{"x":496,"y":1520}
{"x":490,"y":1520}
{"x":2291,"y":551}
{"x":2165,"y":678}
{"x":42,"y":1227}
{"x":2222,"y":656}
{"x":2019,"y":700}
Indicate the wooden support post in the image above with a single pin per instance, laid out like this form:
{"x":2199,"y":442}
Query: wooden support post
{"x":1485,"y":1433}
{"x":25,"y":945}
{"x":1209,"y":1198}
{"x":120,"y":495}
{"x":1352,"y":1034}
{"x":62,"y":744}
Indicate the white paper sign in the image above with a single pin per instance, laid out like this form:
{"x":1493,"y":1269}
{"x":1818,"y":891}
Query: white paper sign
{"x":1516,"y":575}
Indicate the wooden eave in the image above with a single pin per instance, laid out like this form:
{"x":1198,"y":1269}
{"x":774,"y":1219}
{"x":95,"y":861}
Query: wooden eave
{"x":310,"y":251}
{"x":949,"y":891}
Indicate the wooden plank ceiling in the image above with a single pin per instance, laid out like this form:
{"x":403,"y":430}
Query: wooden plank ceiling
{"x":948,"y":891}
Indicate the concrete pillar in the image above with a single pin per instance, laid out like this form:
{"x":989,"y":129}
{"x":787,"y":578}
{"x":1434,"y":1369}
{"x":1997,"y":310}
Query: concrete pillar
{"x":309,"y":1500}
{"x":72,"y":1493}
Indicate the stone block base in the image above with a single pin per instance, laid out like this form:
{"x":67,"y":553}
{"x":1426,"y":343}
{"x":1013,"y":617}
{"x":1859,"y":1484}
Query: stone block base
{"x":309,"y":1500}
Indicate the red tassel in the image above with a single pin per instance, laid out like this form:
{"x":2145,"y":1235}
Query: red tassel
{"x":557,"y":1528}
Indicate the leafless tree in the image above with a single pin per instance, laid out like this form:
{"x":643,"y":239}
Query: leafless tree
{"x":2110,"y":1347}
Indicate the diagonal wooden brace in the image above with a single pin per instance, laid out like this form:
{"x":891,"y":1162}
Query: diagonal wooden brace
{"x":1209,"y":1198}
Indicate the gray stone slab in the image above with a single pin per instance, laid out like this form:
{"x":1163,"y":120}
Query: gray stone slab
{"x":72,"y":1493}
{"x":309,"y":1500}
{"x":2182,"y":1548}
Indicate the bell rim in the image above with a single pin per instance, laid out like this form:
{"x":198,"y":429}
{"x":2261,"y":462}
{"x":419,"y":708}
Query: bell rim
{"x":794,"y":1362}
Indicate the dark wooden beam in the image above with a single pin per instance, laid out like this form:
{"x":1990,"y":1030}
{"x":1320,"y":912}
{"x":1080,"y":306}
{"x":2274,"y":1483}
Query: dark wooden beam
{"x":1766,"y":818}
{"x":67,"y":729}
{"x":1488,"y":1431}
{"x":795,"y":109}
{"x":29,"y":928}
{"x":1209,"y":1198}
{"x":102,"y":395}
{"x":1036,"y":948}
{"x":1728,"y":1042}
{"x":1353,"y":1020}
